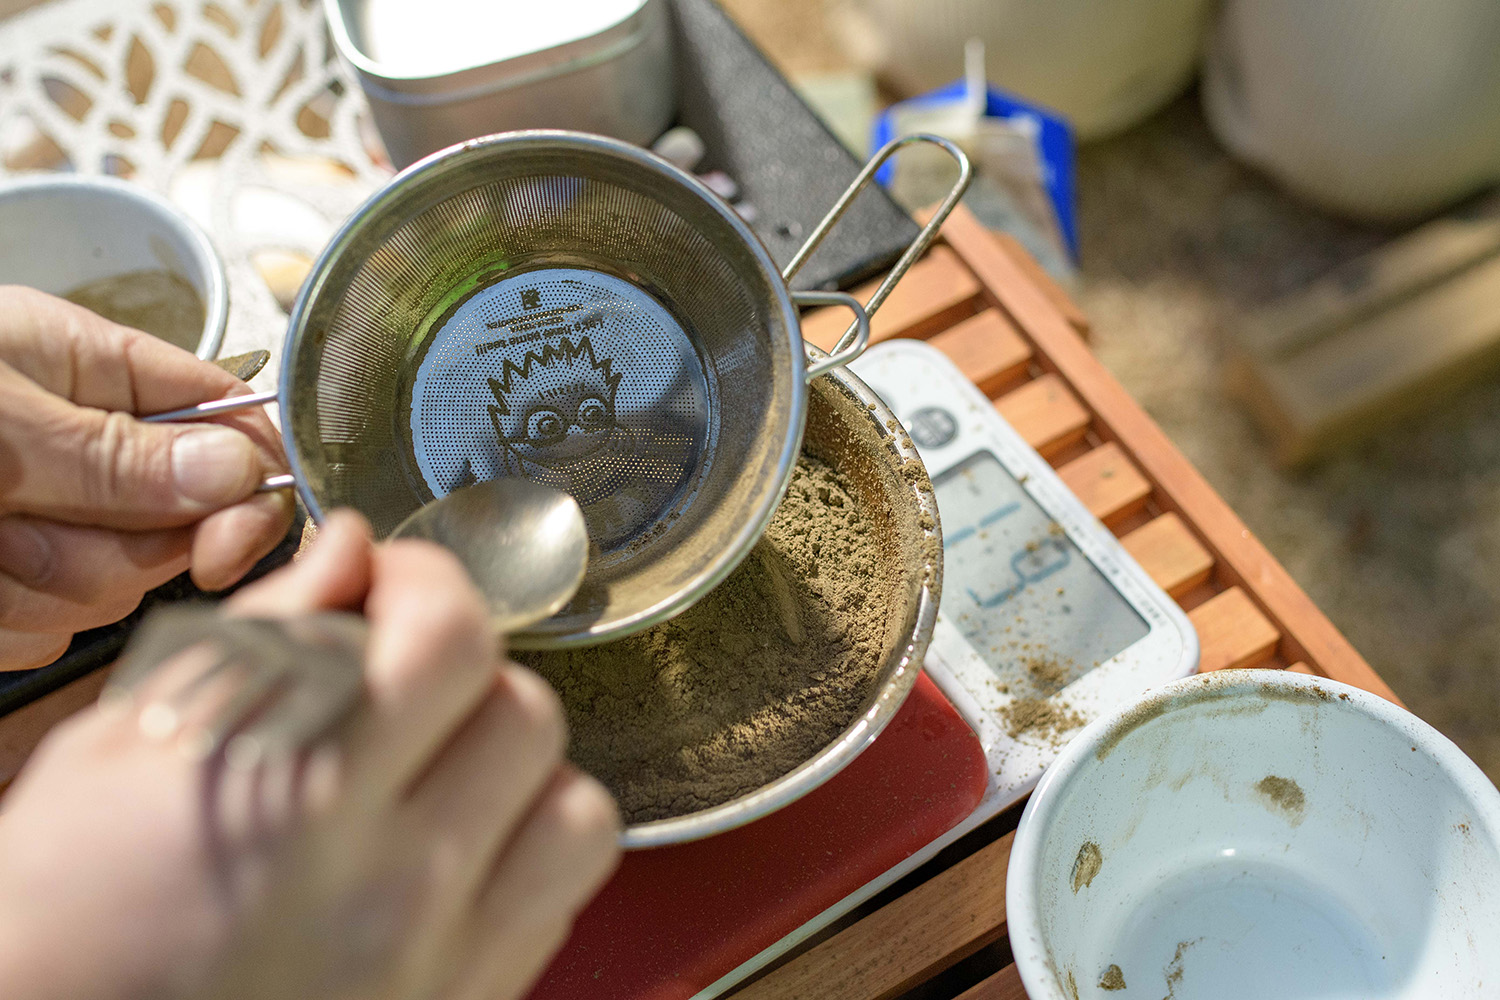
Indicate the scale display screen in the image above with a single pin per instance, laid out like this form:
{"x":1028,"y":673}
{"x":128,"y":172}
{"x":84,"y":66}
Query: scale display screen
{"x":1015,"y":585}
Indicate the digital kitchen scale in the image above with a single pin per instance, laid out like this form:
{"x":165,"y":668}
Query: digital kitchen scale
{"x":1045,"y":623}
{"x":1039,"y":600}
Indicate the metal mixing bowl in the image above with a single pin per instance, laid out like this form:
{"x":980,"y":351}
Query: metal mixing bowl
{"x":849,"y":427}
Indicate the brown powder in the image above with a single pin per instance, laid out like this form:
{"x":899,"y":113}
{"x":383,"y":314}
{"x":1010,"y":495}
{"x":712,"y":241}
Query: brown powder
{"x":1047,"y":673}
{"x":748,"y":683}
{"x":158,"y":302}
{"x":1039,"y":717}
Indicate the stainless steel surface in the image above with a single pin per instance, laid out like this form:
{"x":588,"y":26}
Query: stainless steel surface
{"x":618,"y":82}
{"x":918,"y":246}
{"x":245,"y":688}
{"x":576,"y":311}
{"x":847,"y":427}
{"x":201,"y":411}
{"x":403,"y":376}
{"x":524,"y":545}
{"x":843,"y":353}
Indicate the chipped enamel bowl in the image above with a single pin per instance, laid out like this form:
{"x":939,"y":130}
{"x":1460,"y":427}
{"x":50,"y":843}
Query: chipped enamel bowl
{"x":1257,"y":833}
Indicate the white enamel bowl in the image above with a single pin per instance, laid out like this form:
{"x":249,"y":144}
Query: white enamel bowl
{"x":60,"y":231}
{"x":1258,"y":833}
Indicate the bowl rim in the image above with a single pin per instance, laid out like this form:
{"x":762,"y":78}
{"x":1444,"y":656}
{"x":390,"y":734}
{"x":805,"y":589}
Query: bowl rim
{"x":1022,"y":902}
{"x":216,"y":299}
{"x":456,"y":158}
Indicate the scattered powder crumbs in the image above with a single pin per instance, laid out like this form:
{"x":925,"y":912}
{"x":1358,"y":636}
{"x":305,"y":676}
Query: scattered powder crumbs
{"x":751,"y":681}
{"x":1039,"y":717}
{"x":1112,"y":979}
{"x":1047,"y":673}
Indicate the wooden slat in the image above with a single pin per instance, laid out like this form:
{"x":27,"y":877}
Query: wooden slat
{"x":937,"y":292}
{"x":988,"y":349}
{"x":24,"y":728}
{"x":1307,"y":633}
{"x":1413,"y":262}
{"x":1045,"y":413}
{"x":1059,"y":298}
{"x":1170,"y":554}
{"x":1107,"y":482}
{"x":907,"y":941}
{"x":1232,"y":632}
{"x":1359,"y":377}
{"x":1003,"y":985}
{"x":1302,"y":668}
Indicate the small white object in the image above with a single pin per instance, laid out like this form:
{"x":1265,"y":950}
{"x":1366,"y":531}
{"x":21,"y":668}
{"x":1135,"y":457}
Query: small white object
{"x":720,"y":184}
{"x":62,"y":231}
{"x":680,"y":146}
{"x":1258,"y":833}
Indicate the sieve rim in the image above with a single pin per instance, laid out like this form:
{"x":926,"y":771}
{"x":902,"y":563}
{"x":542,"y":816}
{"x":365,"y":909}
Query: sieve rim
{"x":384,"y":204}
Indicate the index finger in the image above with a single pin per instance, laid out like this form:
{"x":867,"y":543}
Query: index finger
{"x":85,"y":358}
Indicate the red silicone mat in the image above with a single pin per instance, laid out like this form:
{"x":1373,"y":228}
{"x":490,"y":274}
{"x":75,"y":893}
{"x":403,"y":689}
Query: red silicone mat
{"x":675,"y":919}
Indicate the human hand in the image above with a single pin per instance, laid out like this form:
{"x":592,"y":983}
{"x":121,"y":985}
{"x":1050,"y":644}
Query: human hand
{"x":96,"y":507}
{"x":447,"y":792}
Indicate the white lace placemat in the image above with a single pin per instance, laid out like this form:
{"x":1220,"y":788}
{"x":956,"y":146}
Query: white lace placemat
{"x":237,"y":110}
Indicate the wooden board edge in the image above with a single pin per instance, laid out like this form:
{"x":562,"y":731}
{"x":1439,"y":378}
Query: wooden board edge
{"x":1307,"y":632}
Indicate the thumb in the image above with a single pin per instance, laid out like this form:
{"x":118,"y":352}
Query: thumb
{"x":87,"y":466}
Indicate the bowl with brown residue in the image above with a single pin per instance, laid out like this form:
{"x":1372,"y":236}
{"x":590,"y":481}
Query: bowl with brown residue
{"x":119,"y":250}
{"x":1258,"y":833}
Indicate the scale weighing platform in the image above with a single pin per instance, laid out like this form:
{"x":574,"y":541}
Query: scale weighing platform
{"x":1042,"y":608}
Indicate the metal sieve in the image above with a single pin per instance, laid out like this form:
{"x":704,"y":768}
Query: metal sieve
{"x":576,"y":311}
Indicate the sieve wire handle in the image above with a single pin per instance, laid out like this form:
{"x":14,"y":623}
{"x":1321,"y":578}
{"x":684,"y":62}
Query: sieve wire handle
{"x":842,"y":353}
{"x":213,"y":408}
{"x":918,"y":246}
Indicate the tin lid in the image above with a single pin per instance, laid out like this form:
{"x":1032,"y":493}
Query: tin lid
{"x":406,"y":42}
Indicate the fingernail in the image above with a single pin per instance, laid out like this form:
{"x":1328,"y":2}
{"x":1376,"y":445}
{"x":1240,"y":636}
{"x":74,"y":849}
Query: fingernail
{"x":25,"y":555}
{"x":214,"y":465}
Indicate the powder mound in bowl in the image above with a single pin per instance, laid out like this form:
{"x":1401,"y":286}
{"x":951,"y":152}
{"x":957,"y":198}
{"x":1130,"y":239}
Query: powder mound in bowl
{"x":751,"y":681}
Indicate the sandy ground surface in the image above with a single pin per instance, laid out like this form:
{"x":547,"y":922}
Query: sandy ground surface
{"x":1398,"y":541}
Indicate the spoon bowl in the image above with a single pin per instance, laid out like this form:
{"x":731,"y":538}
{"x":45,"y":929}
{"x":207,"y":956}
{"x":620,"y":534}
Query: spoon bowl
{"x":524,"y":545}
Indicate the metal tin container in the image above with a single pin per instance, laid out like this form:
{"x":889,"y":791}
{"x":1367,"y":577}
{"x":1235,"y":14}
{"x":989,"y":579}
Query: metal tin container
{"x":850,"y":428}
{"x":616,"y":80}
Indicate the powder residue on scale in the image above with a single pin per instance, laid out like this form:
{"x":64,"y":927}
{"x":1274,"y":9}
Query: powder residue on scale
{"x":750,"y":682}
{"x":1037,"y":712}
{"x":1041,"y":717}
{"x":1284,"y":796}
{"x":1112,"y":979}
{"x":1086,"y":865}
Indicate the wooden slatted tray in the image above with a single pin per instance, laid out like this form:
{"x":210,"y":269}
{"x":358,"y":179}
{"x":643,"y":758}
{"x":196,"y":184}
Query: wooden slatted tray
{"x":940,"y":934}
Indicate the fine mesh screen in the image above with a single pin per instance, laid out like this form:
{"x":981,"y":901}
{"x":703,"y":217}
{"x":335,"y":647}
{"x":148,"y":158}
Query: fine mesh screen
{"x":578,"y":315}
{"x":572,"y":378}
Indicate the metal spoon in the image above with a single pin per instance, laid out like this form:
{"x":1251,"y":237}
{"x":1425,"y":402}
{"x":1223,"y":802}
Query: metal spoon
{"x":267,"y":687}
{"x":525,"y":545}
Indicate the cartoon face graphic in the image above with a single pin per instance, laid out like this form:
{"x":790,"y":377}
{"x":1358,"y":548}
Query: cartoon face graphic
{"x":557,"y":407}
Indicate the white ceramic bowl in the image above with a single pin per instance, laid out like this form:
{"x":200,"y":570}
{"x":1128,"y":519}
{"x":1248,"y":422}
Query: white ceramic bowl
{"x":61,"y":231}
{"x":1257,"y":833}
